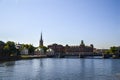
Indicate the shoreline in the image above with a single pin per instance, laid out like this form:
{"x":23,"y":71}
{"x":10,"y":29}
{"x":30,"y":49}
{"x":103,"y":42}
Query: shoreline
{"x":25,"y":57}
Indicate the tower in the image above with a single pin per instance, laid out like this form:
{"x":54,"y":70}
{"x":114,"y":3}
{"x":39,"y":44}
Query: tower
{"x":41,"y":41}
{"x":82,"y":43}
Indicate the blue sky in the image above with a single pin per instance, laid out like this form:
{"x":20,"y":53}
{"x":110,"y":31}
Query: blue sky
{"x":61,"y":21}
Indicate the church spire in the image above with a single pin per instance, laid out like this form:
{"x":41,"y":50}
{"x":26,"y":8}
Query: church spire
{"x":41,"y":36}
{"x":41,"y":40}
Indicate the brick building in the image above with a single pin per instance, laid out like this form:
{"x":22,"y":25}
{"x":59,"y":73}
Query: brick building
{"x":71,"y":49}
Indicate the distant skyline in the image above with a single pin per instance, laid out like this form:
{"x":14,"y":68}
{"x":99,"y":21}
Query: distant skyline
{"x":64,"y":22}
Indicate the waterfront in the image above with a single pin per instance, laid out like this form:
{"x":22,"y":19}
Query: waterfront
{"x":61,"y":69}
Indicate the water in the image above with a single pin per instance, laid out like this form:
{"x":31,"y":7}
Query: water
{"x":61,"y":69}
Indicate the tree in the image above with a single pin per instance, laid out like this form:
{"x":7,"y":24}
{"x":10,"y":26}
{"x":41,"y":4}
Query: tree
{"x":107,"y":52}
{"x":31,"y":49}
{"x":6,"y":50}
{"x":113,"y":50}
{"x":2,"y":44}
{"x":10,"y":48}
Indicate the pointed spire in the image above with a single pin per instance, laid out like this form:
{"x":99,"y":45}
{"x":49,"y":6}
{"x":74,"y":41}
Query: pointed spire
{"x":41,"y":36}
{"x":41,"y":41}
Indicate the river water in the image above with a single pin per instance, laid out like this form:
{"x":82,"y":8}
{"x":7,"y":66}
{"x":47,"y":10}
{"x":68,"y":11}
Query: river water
{"x":61,"y":69}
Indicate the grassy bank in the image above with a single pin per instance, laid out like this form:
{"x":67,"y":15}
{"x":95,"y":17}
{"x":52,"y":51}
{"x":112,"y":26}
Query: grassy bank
{"x":32,"y":56}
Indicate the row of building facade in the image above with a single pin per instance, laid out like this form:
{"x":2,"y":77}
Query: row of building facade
{"x":58,"y":48}
{"x":67,"y":49}
{"x":71,"y":49}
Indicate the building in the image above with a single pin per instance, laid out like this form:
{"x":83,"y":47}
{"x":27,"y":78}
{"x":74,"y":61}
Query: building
{"x":82,"y":48}
{"x":100,"y":51}
{"x":50,"y":52}
{"x":18,"y":46}
{"x":21,"y":50}
{"x":39,"y":50}
{"x":24,"y":51}
{"x":57,"y":48}
{"x":118,"y":50}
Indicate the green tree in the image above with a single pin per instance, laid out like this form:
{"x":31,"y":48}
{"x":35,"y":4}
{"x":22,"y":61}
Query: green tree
{"x":31,"y":49}
{"x":2,"y":44}
{"x":107,"y":52}
{"x":113,"y":50}
{"x":10,"y":48}
{"x":6,"y":50}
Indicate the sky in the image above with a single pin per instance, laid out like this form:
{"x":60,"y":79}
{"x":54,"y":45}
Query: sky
{"x":63,"y":22}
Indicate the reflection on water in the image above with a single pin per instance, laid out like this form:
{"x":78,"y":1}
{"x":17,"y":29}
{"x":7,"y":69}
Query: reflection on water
{"x":61,"y":69}
{"x":3,"y":64}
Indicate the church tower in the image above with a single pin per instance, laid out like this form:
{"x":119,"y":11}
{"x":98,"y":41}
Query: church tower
{"x":41,"y":41}
{"x":82,"y":43}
